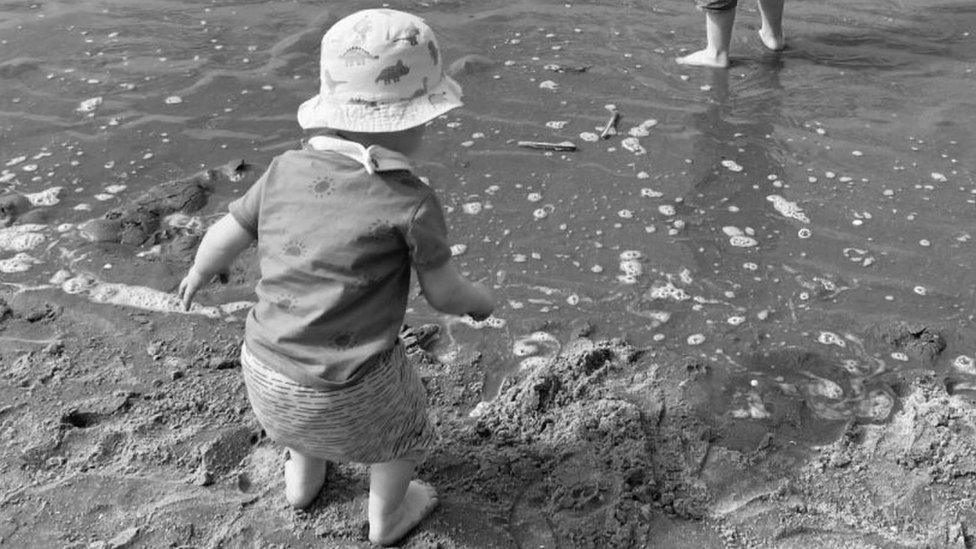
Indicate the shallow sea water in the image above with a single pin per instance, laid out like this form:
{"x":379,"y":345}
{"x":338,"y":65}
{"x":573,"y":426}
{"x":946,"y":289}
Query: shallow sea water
{"x":744,"y":217}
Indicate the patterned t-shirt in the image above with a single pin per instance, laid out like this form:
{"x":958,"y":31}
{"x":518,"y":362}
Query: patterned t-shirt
{"x":335,"y":244}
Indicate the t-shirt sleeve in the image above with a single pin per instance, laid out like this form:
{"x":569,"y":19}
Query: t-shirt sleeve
{"x":427,"y":235}
{"x":246,"y":209}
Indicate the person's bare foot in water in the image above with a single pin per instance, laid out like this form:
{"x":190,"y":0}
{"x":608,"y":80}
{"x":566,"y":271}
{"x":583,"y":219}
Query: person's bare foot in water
{"x":705,"y":58}
{"x":718,"y":35}
{"x":771,"y":31}
{"x":775,"y":42}
{"x":304,"y":478}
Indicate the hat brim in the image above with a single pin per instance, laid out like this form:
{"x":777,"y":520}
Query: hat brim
{"x":325,"y":112}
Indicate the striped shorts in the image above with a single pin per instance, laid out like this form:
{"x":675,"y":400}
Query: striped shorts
{"x":381,"y":418}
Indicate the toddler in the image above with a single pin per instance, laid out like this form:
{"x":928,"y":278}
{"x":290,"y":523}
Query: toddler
{"x":339,"y":225}
{"x":719,"y":17}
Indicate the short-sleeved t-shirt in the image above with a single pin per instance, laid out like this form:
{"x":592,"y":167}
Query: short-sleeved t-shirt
{"x":335,"y":244}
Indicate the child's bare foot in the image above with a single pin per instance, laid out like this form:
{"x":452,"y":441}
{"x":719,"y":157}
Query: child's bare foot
{"x":419,"y":501}
{"x":304,"y":478}
{"x":771,"y":40}
{"x":705,"y":58}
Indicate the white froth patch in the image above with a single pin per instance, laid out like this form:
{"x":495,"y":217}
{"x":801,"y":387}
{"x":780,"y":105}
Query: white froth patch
{"x":536,"y":349}
{"x":115,"y":189}
{"x":181,"y":220}
{"x":830,"y":338}
{"x":490,"y":322}
{"x":738,"y":238}
{"x":89,"y":105}
{"x":754,"y":409}
{"x":18,"y":263}
{"x":825,"y":388}
{"x":732,"y":165}
{"x":642,"y":130}
{"x":139,"y":297}
{"x":633,"y":145}
{"x":965,"y":364}
{"x":102,"y":197}
{"x":787,"y":208}
{"x":47,"y":197}
{"x":667,"y":290}
{"x":20,"y":238}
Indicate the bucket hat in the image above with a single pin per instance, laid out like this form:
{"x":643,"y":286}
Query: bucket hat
{"x":380,"y":71}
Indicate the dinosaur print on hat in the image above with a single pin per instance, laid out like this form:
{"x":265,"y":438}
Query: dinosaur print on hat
{"x":357,"y":56}
{"x":437,"y":98}
{"x":432,"y":47}
{"x":408,"y":34}
{"x":362,"y":27}
{"x":393,"y":73}
{"x":422,"y":91}
{"x":330,"y":84}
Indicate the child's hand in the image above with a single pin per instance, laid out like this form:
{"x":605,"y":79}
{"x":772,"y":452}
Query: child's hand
{"x":189,"y":286}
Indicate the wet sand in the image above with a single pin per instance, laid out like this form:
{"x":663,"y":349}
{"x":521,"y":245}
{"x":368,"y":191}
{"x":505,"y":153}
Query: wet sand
{"x":743,"y":319}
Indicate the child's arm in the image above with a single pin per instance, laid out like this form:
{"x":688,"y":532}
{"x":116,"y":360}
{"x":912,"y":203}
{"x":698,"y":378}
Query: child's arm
{"x":223,"y":242}
{"x":449,"y":292}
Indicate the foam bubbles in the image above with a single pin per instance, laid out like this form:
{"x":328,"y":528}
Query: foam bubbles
{"x":18,"y":263}
{"x":633,"y":145}
{"x":47,"y":197}
{"x":20,"y":238}
{"x":830,"y":338}
{"x":738,"y":238}
{"x":787,"y":208}
{"x":732,"y":165}
{"x":536,"y":349}
{"x":965,"y":364}
{"x":643,"y":129}
{"x":491,"y":322}
{"x":825,"y":388}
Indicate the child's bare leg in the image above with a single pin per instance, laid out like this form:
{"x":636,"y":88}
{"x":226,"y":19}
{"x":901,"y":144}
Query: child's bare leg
{"x":718,"y":33}
{"x":304,"y":477}
{"x":397,"y":503}
{"x":771,"y":32}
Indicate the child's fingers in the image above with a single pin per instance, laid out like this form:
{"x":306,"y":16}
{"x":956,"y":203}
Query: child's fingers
{"x":185,"y":293}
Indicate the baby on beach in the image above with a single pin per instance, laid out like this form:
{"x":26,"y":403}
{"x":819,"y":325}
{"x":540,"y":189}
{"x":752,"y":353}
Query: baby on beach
{"x":719,"y":17}
{"x":339,"y":225}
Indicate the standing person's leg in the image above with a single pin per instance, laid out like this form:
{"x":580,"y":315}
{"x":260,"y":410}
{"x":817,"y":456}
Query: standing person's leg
{"x":719,"y":18}
{"x":304,"y":478}
{"x":771,"y":32}
{"x":397,"y":503}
